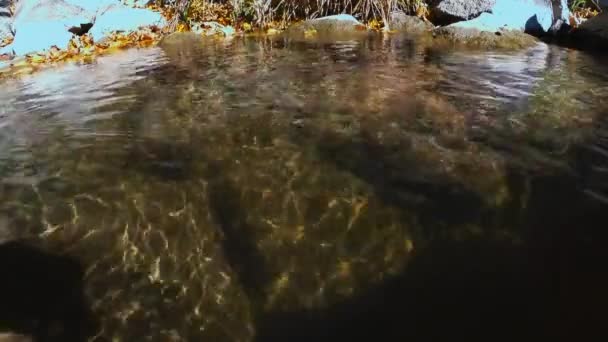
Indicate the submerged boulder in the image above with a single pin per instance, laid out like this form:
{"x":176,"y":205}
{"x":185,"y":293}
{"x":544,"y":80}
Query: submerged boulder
{"x":444,"y":12}
{"x":536,"y":17}
{"x":478,"y":39}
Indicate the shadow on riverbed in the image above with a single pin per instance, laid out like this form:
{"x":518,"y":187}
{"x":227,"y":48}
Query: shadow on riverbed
{"x":549,"y":285}
{"x":552,"y":286}
{"x":238,"y":242}
{"x":42,"y":295}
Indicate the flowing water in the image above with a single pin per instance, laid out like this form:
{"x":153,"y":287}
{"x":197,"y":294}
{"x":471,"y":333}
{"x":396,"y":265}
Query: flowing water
{"x":253,"y":188}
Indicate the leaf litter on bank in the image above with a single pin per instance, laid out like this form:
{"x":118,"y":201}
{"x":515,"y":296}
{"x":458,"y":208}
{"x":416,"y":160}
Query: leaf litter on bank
{"x":82,"y":49}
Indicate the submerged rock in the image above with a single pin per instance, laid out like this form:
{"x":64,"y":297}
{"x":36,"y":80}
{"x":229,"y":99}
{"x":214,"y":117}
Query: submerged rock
{"x":536,"y":17}
{"x":409,"y":24}
{"x":333,"y":24}
{"x":446,"y":12}
{"x":179,"y":38}
{"x":475,"y":38}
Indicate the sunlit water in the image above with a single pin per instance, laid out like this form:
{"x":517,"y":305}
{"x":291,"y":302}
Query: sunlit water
{"x":206,"y":185}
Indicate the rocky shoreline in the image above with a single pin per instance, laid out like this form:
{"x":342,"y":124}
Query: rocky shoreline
{"x":35,"y":26}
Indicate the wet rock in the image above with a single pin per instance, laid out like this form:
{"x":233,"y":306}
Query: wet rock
{"x":210,"y":28}
{"x":178,"y":38}
{"x":536,"y":17}
{"x":409,"y":24}
{"x":445,"y":12}
{"x":333,"y":24}
{"x":475,"y":38}
{"x":592,"y":34}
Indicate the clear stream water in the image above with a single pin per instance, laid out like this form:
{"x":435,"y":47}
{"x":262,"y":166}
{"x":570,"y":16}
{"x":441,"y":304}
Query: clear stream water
{"x":274,"y":189}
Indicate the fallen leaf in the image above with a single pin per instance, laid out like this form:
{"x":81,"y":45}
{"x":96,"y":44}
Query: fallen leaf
{"x":6,"y":41}
{"x":35,"y":58}
{"x":374,"y":24}
{"x":86,"y":40}
{"x":310,"y":32}
{"x":182,"y":27}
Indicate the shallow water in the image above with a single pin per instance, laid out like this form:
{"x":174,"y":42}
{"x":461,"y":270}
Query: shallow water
{"x":215,"y":190}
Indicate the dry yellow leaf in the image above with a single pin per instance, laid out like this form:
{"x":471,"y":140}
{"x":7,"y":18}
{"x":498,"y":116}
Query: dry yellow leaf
{"x":422,"y":12}
{"x":374,"y":24}
{"x":86,"y":40}
{"x":272,"y":31}
{"x":310,"y":32}
{"x":35,"y":58}
{"x":6,"y":41}
{"x":181,"y":27}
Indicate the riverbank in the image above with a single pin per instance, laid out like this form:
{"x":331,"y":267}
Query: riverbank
{"x":81,"y":30}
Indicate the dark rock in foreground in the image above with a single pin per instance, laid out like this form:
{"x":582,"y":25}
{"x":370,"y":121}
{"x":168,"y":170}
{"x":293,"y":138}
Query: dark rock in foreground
{"x":592,"y":34}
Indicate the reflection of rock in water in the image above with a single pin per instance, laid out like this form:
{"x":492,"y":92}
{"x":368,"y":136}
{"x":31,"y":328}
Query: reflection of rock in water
{"x":42,"y":295}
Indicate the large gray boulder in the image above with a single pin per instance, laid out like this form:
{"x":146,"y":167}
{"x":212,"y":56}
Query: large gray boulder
{"x":40,"y":24}
{"x":444,"y":12}
{"x":536,"y":17}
